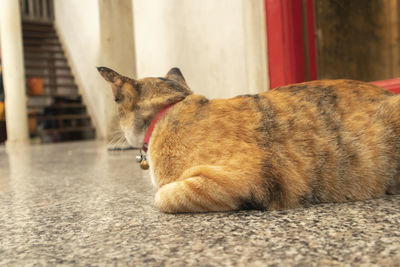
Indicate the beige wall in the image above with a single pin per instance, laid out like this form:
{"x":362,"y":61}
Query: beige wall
{"x":97,"y":33}
{"x":218,"y":45}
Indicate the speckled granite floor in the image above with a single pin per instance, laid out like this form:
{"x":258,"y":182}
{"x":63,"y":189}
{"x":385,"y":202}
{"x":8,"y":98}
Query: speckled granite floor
{"x":78,"y":204}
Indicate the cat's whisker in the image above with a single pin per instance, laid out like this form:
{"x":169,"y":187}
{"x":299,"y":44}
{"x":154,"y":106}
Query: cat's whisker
{"x":118,"y":142}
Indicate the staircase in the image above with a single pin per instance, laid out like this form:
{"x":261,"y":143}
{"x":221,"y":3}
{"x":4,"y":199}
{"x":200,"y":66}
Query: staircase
{"x":55,"y":108}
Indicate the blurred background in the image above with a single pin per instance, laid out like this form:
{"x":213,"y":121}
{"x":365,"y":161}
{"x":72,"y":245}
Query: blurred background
{"x":50,"y":49}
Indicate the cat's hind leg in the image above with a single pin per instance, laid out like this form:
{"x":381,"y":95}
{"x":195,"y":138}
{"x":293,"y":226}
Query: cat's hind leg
{"x":203,"y":188}
{"x":389,"y":114}
{"x":394,"y":186}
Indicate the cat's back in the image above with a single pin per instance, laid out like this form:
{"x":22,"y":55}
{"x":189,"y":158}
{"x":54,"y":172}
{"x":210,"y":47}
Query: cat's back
{"x":340,"y":86}
{"x":288,"y":108}
{"x":341,"y":94}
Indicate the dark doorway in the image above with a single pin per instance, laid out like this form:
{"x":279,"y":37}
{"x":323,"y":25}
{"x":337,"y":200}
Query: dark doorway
{"x":357,"y":39}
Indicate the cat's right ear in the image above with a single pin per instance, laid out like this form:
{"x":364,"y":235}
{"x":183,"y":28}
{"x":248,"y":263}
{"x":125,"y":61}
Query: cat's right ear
{"x":116,"y":80}
{"x":175,"y":74}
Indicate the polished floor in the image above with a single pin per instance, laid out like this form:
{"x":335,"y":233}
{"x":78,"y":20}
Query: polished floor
{"x":79,"y":204}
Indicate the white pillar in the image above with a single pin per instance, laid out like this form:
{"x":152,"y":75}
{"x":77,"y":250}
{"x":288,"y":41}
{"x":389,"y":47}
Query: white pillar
{"x":255,"y":37}
{"x":117,"y":51}
{"x":13,"y":72}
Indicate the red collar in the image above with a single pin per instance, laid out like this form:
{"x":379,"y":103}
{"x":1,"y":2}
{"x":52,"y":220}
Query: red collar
{"x":152,"y":125}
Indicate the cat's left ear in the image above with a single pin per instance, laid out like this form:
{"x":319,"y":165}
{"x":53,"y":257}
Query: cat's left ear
{"x":175,"y":74}
{"x":117,"y":81}
{"x":111,"y":76}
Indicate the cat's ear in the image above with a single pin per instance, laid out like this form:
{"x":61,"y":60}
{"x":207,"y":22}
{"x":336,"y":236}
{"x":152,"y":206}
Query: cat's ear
{"x":111,"y":76}
{"x":175,"y":74}
{"x":116,"y":80}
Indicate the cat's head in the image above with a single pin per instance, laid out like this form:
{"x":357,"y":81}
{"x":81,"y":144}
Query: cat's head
{"x":139,"y":101}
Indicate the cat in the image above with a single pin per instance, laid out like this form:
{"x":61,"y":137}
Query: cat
{"x":297,"y":145}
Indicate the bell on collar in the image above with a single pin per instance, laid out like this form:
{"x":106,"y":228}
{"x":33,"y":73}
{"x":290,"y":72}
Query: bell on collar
{"x":142,"y":160}
{"x":144,"y":165}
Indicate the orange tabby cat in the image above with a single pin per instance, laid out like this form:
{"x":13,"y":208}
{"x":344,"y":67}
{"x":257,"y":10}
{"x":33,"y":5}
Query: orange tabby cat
{"x":320,"y":141}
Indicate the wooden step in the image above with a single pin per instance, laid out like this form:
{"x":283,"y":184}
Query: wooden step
{"x":36,"y":22}
{"x":44,"y":35}
{"x":46,"y":66}
{"x":43,"y":50}
{"x":39,"y":40}
{"x":50,"y":76}
{"x":60,"y":117}
{"x":65,"y":130}
{"x":38,"y":28}
{"x":37,"y":31}
{"x":44,"y":57}
{"x":36,"y":41}
{"x":59,"y":106}
{"x":57,"y":95}
{"x":64,"y":85}
{"x":46,"y":76}
{"x":43,"y":45}
{"x":30,"y":41}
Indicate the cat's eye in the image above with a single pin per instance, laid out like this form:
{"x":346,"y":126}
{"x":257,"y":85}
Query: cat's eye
{"x":117,"y":100}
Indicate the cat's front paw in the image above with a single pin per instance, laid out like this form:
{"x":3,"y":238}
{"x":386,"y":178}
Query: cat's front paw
{"x":193,"y":195}
{"x":167,"y":198}
{"x":160,"y":200}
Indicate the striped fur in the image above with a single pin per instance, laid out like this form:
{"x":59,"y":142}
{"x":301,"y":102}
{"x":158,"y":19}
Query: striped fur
{"x":321,"y":141}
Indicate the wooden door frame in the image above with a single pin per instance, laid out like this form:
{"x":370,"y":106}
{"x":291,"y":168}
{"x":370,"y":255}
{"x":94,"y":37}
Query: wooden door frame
{"x":291,"y":41}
